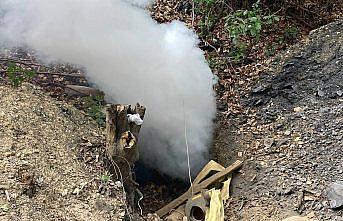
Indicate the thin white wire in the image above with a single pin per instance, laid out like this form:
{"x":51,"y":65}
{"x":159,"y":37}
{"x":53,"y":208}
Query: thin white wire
{"x":187,"y":148}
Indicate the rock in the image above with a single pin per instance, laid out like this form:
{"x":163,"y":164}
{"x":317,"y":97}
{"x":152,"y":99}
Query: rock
{"x":320,"y":93}
{"x":4,"y":187}
{"x":298,"y":109}
{"x":78,"y":90}
{"x":335,"y":194}
{"x":261,"y":88}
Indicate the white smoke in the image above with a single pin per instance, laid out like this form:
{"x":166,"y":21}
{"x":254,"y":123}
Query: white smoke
{"x":133,"y":59}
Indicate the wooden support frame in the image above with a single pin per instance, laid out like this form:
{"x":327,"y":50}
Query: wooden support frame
{"x":197,"y":187}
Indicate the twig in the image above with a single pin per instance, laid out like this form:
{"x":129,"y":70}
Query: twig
{"x":116,"y":167}
{"x":7,"y":196}
{"x":242,"y":204}
{"x":215,"y":49}
{"x":139,"y":200}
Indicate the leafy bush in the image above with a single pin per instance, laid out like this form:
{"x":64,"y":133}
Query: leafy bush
{"x":239,"y":51}
{"x":17,"y":74}
{"x":94,"y":106}
{"x":246,"y":23}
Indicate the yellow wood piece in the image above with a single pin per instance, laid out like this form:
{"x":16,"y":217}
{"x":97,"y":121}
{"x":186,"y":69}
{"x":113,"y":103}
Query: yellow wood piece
{"x":216,"y":210}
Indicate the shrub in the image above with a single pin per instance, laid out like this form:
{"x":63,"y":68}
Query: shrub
{"x":17,"y":74}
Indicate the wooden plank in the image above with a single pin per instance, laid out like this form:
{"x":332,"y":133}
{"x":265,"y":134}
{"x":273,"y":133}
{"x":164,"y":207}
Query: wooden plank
{"x":210,"y":166}
{"x":197,"y":188}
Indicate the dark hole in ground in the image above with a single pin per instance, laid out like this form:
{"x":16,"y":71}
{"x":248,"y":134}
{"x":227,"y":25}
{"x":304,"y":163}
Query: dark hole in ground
{"x":197,"y":213}
{"x":158,"y":189}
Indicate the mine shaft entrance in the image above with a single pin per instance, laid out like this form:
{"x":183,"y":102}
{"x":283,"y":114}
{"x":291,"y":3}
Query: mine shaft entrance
{"x":158,"y":189}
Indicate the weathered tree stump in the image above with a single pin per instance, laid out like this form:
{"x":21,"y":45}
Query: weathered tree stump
{"x":123,"y":124}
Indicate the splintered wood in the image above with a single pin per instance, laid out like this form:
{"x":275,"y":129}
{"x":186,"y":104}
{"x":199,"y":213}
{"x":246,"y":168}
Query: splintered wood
{"x":123,"y":124}
{"x":121,"y":132}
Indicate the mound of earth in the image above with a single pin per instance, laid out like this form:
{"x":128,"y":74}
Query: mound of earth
{"x":290,"y":135}
{"x":43,"y":173}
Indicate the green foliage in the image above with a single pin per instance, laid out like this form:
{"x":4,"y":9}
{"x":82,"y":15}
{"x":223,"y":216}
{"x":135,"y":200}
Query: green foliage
{"x":95,"y":107}
{"x":17,"y":74}
{"x":209,"y":15}
{"x":239,"y":51}
{"x":207,"y":22}
{"x":247,"y":23}
{"x":205,"y":2}
{"x":291,"y":33}
{"x":105,"y":178}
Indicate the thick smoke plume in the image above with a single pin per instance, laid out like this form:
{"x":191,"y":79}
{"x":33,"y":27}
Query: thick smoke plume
{"x":133,"y":59}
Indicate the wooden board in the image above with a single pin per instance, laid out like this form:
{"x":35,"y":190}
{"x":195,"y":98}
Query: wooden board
{"x":197,"y":188}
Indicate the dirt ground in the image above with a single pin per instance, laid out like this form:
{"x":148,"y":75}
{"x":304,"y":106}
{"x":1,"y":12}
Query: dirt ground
{"x":45,"y":145}
{"x":289,"y":135}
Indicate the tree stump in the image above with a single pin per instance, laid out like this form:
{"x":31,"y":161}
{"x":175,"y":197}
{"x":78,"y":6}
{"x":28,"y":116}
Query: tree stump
{"x":123,"y":124}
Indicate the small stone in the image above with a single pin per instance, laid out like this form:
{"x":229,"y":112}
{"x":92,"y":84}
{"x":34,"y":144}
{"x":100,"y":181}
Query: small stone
{"x":76,"y":191}
{"x":287,"y":132}
{"x":298,"y":109}
{"x":118,"y":184}
{"x":339,"y":93}
{"x":260,"y":88}
{"x":240,"y":154}
{"x":335,"y":194}
{"x":320,"y":93}
{"x":4,"y":187}
{"x":64,"y":192}
{"x":9,"y":154}
{"x":288,"y":191}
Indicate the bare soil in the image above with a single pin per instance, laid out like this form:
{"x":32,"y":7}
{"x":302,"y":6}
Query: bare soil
{"x":289,"y":134}
{"x":51,"y":161}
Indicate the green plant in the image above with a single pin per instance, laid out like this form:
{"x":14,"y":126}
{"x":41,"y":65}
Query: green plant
{"x":207,"y":9}
{"x":205,"y":2}
{"x":291,"y":33}
{"x":248,"y":23}
{"x":105,"y":178}
{"x":94,"y":106}
{"x":17,"y":74}
{"x":239,"y":51}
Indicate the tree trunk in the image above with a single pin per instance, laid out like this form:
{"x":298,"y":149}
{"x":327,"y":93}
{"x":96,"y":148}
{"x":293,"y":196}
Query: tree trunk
{"x":123,"y":124}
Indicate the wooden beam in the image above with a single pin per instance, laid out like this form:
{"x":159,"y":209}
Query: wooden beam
{"x":197,"y":188}
{"x":210,"y":166}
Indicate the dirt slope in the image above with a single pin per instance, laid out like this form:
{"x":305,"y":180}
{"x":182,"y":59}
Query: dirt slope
{"x":290,"y":134}
{"x":41,"y":174}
